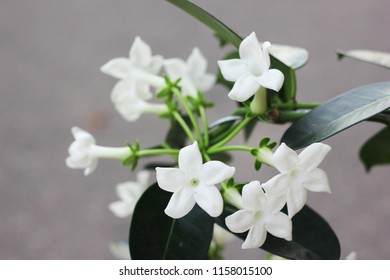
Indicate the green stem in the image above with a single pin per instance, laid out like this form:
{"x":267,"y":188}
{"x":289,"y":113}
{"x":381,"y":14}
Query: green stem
{"x":154,"y":152}
{"x":229,"y":148}
{"x":234,"y":132}
{"x":285,"y":116}
{"x":184,"y":125}
{"x":190,"y":115}
{"x":292,"y":106}
{"x":205,"y":125}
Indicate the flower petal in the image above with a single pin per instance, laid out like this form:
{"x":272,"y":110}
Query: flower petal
{"x":170,"y":179}
{"x":155,"y":64}
{"x":214,"y":172}
{"x":285,"y":159}
{"x":244,"y":88}
{"x":279,"y":225}
{"x":253,"y":196}
{"x":209,"y":199}
{"x":233,"y":69}
{"x":205,"y":82}
{"x":272,"y":79}
{"x":119,"y":68}
{"x":240,"y":221}
{"x":196,"y":63}
{"x":143,"y":178}
{"x":256,"y":237}
{"x":181,"y":202}
{"x":311,"y":157}
{"x":140,"y":53}
{"x":250,"y":49}
{"x":129,"y":191}
{"x":316,"y":181}
{"x":277,"y":185}
{"x":121,"y":209}
{"x":296,"y":199}
{"x":190,"y":160}
{"x":175,"y":68}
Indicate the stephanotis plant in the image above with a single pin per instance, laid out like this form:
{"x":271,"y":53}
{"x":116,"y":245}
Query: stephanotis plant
{"x":195,"y":196}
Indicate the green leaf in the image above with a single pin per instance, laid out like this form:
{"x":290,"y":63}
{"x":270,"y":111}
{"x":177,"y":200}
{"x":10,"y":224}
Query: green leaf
{"x":209,"y":20}
{"x":374,"y":57}
{"x":155,"y":236}
{"x":338,"y":114}
{"x":176,"y":136}
{"x":376,"y":150}
{"x":222,"y":127}
{"x":313,"y":238}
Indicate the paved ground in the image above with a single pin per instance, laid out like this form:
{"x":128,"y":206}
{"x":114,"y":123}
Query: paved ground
{"x":50,"y":54}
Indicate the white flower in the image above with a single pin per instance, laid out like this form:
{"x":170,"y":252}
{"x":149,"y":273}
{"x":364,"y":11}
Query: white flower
{"x":129,"y":193}
{"x":120,"y":250}
{"x":193,"y":182}
{"x":140,"y":65}
{"x":251,"y":70}
{"x":351,"y":256}
{"x":299,"y":174}
{"x":129,"y":97}
{"x":192,"y":73}
{"x":259,"y":216}
{"x":84,"y":154}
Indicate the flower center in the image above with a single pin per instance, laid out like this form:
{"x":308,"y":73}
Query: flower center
{"x":194,"y":182}
{"x":258,"y":215}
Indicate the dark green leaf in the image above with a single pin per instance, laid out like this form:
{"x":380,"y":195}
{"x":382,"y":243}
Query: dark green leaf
{"x":176,"y":136}
{"x":222,"y":127}
{"x":374,"y":57}
{"x":155,"y":236}
{"x":313,"y":238}
{"x":338,"y":114}
{"x":376,"y":150}
{"x":209,"y":20}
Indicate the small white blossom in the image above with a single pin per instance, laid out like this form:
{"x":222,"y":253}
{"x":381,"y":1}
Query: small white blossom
{"x":299,"y":174}
{"x":120,"y":250}
{"x":129,"y":193}
{"x":84,"y":153}
{"x":140,"y":66}
{"x":259,"y":216}
{"x":251,"y":70}
{"x":193,"y":182}
{"x":130,"y":100}
{"x":191,"y":72}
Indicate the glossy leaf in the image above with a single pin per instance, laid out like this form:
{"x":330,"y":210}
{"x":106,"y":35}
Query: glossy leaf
{"x":155,"y":236}
{"x":176,"y":136}
{"x":338,"y":114}
{"x":376,"y":151}
{"x":374,"y":57}
{"x":313,"y":238}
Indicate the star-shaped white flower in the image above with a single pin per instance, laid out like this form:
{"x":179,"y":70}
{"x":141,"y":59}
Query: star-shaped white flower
{"x":299,"y":174}
{"x":251,"y":70}
{"x":140,"y":57}
{"x":192,"y":73}
{"x":130,"y":100}
{"x":259,"y":216}
{"x":84,"y":153}
{"x":193,"y":182}
{"x":129,"y":193}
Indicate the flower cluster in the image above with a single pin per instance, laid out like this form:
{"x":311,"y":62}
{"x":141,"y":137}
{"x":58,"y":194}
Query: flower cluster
{"x":198,"y":179}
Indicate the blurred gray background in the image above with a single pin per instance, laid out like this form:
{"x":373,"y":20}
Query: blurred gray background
{"x":50,"y":54}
